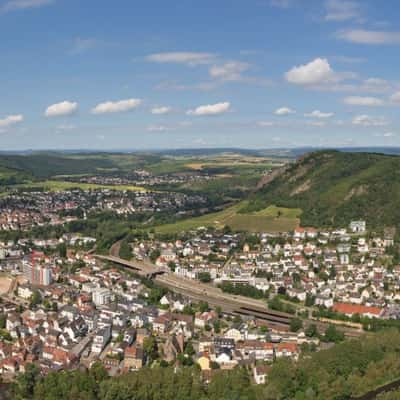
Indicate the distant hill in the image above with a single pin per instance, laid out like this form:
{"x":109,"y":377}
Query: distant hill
{"x":42,"y":165}
{"x":332,"y":188}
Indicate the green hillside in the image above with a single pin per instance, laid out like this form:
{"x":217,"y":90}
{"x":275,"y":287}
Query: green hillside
{"x":46,"y":165}
{"x":10,"y":176}
{"x":332,"y":188}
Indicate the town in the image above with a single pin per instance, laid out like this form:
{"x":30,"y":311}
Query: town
{"x":24,"y":210}
{"x":62,"y":307}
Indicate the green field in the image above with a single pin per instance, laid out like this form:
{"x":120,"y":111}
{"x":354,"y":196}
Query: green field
{"x":279,"y":212}
{"x":231,"y":216}
{"x":57,"y":186}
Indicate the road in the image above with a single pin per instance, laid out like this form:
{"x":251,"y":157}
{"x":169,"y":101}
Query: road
{"x":142,"y":268}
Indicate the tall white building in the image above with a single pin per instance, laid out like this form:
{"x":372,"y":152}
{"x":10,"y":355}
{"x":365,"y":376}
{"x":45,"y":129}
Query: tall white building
{"x":101,"y":296}
{"x":37,"y":274}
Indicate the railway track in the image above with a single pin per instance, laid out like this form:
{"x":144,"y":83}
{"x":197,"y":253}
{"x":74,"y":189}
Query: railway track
{"x":237,"y":305}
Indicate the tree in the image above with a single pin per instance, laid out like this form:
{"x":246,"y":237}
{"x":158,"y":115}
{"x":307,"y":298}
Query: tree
{"x":62,"y":250}
{"x":172,"y":266}
{"x":98,"y":372}
{"x":333,"y":335}
{"x":189,"y":350}
{"x":25,"y":383}
{"x":125,"y":250}
{"x":282,"y":290}
{"x":310,"y":300}
{"x":214,"y":365}
{"x":311,"y":330}
{"x":217,"y":326}
{"x":204,"y":277}
{"x":203,"y":306}
{"x":151,"y":348}
{"x":3,"y":319}
{"x":36,"y":299}
{"x":188,"y":310}
{"x":296,"y":324}
{"x":154,"y":255}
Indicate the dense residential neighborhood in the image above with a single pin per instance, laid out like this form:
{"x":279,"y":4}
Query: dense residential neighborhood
{"x":22,"y":211}
{"x":63,"y":308}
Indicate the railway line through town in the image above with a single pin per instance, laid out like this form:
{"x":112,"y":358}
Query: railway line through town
{"x":237,"y":305}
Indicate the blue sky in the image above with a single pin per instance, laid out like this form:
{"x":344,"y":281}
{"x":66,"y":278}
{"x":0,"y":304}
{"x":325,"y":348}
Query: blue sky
{"x":172,"y":74}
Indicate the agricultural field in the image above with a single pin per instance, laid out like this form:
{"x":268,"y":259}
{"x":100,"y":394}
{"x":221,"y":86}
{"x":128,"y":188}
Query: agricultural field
{"x":272,"y":219}
{"x":58,"y":186}
{"x":231,"y":162}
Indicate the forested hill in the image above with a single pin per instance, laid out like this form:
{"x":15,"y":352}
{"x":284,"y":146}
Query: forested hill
{"x":44,"y":165}
{"x":333,"y":187}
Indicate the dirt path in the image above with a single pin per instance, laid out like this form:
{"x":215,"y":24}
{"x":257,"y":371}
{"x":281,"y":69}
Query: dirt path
{"x":114,"y":250}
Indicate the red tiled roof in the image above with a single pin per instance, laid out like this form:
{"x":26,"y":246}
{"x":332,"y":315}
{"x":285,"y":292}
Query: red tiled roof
{"x":292,"y":347}
{"x":346,"y":308}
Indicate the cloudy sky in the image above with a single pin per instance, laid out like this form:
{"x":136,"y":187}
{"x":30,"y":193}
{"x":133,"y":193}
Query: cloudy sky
{"x":157,"y":74}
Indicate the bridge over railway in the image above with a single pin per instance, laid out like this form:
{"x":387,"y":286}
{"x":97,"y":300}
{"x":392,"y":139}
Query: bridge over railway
{"x":143,"y":269}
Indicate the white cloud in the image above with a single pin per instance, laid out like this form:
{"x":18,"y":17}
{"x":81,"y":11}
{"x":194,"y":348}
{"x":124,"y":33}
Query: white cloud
{"x":116,"y":106}
{"x":182,"y":57}
{"x":210,"y":109}
{"x":370,"y":85}
{"x":14,"y":5}
{"x":81,"y":45}
{"x":342,"y":10}
{"x":315,"y":72}
{"x":161,"y":110}
{"x":317,"y":124}
{"x":363,"y":36}
{"x":284,"y":111}
{"x":60,"y":109}
{"x":185,"y":124}
{"x":174,"y":85}
{"x":158,"y":128}
{"x":65,"y":127}
{"x":395,"y":98}
{"x":229,"y":71}
{"x":367,"y":120}
{"x":385,"y":134}
{"x":319,"y":114}
{"x":266,"y":123}
{"x":363,"y":101}
{"x":10,"y":120}
{"x":375,"y":85}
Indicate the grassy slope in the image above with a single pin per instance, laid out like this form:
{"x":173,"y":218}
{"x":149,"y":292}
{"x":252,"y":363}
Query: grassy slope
{"x":333,"y":188}
{"x":267,"y":222}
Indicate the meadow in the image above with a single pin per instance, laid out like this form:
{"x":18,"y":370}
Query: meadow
{"x":272,"y":219}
